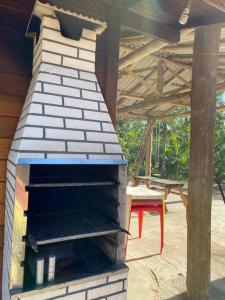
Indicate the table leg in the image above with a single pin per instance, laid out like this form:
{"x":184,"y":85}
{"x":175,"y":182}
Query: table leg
{"x":182,"y":196}
{"x":135,"y":182}
{"x":166,"y":193}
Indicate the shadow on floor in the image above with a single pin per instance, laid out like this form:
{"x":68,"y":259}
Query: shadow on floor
{"x":141,"y":258}
{"x":217,"y":291}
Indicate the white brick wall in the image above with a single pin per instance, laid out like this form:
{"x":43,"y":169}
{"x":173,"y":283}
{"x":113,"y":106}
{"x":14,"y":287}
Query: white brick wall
{"x":78,"y":64}
{"x":80,"y":103}
{"x":85,"y":147}
{"x":64,"y":134}
{"x":64,"y":116}
{"x":99,"y":137}
{"x":61,"y":90}
{"x":79,"y":296}
{"x":59,"y":70}
{"x":79,"y":83}
{"x":104,"y":290}
{"x":82,"y":124}
{"x":92,"y":95}
{"x":88,"y":76}
{"x":59,"y":48}
{"x":45,"y":295}
{"x":92,"y":115}
{"x":48,"y":99}
{"x":86,"y":285}
{"x":63,"y":111}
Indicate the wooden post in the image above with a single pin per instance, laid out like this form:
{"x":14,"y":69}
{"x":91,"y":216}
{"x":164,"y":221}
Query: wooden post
{"x":107,"y":60}
{"x":149,"y":149}
{"x":203,"y":105}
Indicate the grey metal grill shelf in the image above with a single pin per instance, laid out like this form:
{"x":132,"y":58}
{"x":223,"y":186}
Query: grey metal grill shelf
{"x":46,"y":229}
{"x":70,"y":184}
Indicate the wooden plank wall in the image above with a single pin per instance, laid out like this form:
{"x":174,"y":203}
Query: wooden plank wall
{"x":15,"y":74}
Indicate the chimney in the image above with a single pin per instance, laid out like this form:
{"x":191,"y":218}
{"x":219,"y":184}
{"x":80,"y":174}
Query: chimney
{"x":64,"y":121}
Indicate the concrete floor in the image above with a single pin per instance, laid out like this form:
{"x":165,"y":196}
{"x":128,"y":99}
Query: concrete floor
{"x":153,"y":276}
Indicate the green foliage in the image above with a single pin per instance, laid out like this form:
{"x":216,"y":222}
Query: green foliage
{"x":171,"y":144}
{"x":130,"y":133}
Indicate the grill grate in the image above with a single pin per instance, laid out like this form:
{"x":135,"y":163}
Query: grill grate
{"x":69,"y":226}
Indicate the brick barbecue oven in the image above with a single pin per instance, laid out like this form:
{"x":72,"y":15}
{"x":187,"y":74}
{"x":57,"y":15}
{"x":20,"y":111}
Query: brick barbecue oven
{"x":66,"y":180}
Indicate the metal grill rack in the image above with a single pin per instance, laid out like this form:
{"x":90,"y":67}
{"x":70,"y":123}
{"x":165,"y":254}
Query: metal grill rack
{"x":46,"y":229}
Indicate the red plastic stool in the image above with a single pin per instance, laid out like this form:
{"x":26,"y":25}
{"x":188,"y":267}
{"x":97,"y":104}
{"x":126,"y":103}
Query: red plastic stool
{"x":140,"y":207}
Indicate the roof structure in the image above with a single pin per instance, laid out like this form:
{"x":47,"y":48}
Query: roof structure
{"x":158,"y":85}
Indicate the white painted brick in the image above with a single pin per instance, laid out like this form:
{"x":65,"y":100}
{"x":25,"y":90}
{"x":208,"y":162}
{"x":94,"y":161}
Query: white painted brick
{"x":78,"y":296}
{"x":29,"y":132}
{"x":80,"y":103}
{"x":58,"y":70}
{"x":42,"y":145}
{"x":50,"y":22}
{"x":64,"y":134}
{"x":113,"y":148}
{"x":108,"y":127}
{"x":51,"y":58}
{"x":105,"y":156}
{"x":48,"y":99}
{"x":37,"y":87}
{"x":105,"y":290}
{"x":89,"y":34}
{"x":82,"y":124}
{"x":56,"y":36}
{"x":85,"y":147}
{"x":42,"y":295}
{"x":43,"y":120}
{"x":66,"y":155}
{"x":125,"y":284}
{"x":118,"y":277}
{"x":46,"y":77}
{"x":31,"y":155}
{"x":61,"y":90}
{"x":79,"y":83}
{"x":62,"y":111}
{"x":98,"y":88}
{"x":88,"y":76}
{"x":101,"y":137}
{"x":87,"y":285}
{"x":122,"y":296}
{"x":103,"y":107}
{"x":94,"y":115}
{"x":13,"y":157}
{"x":37,"y":64}
{"x":92,"y":95}
{"x":87,"y":55}
{"x":32,"y":109}
{"x":59,"y":48}
{"x":78,"y":64}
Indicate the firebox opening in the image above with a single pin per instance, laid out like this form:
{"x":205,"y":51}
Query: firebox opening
{"x":73,"y":214}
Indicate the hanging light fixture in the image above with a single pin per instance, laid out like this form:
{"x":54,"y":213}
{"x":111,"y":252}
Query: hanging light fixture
{"x":185,"y":13}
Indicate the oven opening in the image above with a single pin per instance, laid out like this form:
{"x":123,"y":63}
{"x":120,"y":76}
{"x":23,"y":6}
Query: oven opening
{"x":72,"y":216}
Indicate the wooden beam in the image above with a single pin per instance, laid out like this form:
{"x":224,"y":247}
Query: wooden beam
{"x":144,"y":25}
{"x":203,"y":106}
{"x":107,"y":59}
{"x":160,"y":77}
{"x":218,"y":4}
{"x":129,"y":19}
{"x":141,"y":52}
{"x":149,"y":148}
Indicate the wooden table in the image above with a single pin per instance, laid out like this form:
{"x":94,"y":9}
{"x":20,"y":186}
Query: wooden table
{"x":164,"y":183}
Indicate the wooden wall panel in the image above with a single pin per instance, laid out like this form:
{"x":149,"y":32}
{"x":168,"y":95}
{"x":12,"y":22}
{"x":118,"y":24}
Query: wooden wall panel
{"x":15,"y":75}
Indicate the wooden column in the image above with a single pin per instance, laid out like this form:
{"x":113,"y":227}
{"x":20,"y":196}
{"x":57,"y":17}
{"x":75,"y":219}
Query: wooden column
{"x":107,"y":60}
{"x":149,"y":149}
{"x":203,"y":103}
